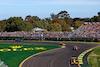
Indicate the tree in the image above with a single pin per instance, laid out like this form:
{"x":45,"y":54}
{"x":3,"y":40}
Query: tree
{"x":35,"y":18}
{"x":29,"y":23}
{"x":65,"y":27}
{"x":3,"y":25}
{"x":98,"y":13}
{"x":98,"y":18}
{"x":28,"y":18}
{"x":55,"y":27}
{"x":78,"y":24}
{"x":76,"y":19}
{"x":95,"y":19}
{"x":44,"y":24}
{"x":17,"y":24}
{"x":48,"y":20}
{"x":53,"y":16}
{"x":87,"y":19}
{"x":68,"y":20}
{"x":63,"y":14}
{"x":41,"y":24}
{"x":62,"y":23}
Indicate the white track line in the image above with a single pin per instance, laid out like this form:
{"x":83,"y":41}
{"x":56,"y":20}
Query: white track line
{"x":1,"y":63}
{"x":69,"y":64}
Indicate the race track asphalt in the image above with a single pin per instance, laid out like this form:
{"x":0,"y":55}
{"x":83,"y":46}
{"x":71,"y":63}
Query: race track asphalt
{"x":59,"y":57}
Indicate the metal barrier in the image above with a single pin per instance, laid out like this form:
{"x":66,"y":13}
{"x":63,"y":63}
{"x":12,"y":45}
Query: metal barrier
{"x":53,"y":38}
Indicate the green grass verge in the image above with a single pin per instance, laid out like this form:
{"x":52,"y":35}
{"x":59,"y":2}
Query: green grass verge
{"x":94,"y":58}
{"x":97,"y":51}
{"x":14,"y":58}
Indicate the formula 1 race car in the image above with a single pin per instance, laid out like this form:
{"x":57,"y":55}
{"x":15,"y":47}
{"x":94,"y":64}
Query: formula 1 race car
{"x":18,"y":40}
{"x":63,"y":44}
{"x":74,"y":60}
{"x":76,"y":48}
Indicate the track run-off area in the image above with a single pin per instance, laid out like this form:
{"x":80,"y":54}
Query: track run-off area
{"x":59,"y":57}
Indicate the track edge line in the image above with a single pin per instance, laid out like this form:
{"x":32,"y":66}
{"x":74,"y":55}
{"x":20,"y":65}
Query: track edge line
{"x":35,"y":55}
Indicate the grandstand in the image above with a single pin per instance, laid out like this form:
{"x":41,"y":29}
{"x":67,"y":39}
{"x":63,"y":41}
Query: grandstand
{"x":87,"y":31}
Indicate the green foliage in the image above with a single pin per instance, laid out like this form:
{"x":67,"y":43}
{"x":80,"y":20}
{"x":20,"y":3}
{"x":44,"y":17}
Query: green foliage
{"x":63,"y":14}
{"x":53,"y":16}
{"x":68,"y":20}
{"x":3,"y":25}
{"x":35,"y":21}
{"x":35,"y":18}
{"x":55,"y":27}
{"x":17,"y":24}
{"x":87,"y":20}
{"x":28,"y":18}
{"x":40,"y":23}
{"x":78,"y":24}
{"x":30,"y":22}
{"x":48,"y":20}
{"x":98,"y":13}
{"x":65,"y":27}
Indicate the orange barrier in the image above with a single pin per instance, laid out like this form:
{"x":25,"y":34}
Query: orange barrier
{"x":41,"y":39}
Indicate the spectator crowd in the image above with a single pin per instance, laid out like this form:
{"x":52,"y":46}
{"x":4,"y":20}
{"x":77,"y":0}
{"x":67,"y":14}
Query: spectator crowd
{"x":89,"y":29}
{"x":34,"y":34}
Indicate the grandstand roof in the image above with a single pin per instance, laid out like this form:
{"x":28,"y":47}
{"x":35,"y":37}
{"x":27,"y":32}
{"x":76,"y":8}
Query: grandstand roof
{"x":38,"y":29}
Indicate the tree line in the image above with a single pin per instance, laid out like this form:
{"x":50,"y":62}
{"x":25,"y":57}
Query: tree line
{"x":56,"y":22}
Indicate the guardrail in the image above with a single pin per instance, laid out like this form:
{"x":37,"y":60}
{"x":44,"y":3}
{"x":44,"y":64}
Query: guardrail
{"x":53,"y":38}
